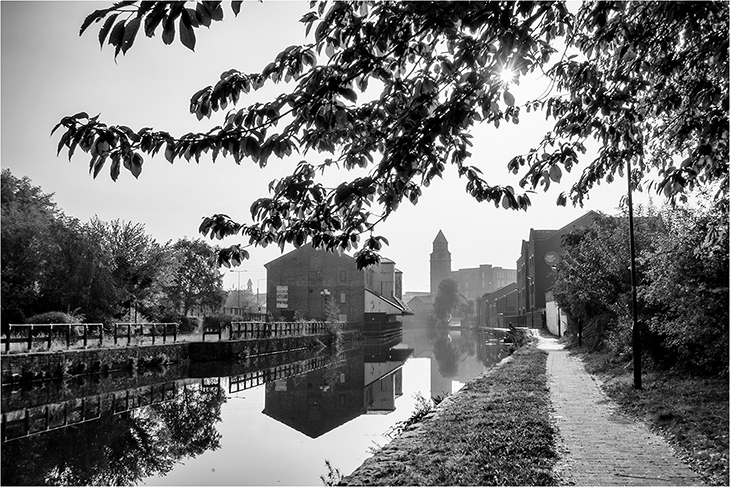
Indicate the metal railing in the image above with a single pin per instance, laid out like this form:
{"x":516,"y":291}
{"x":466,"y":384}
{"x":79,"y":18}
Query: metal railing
{"x":142,"y":330}
{"x":72,"y":333}
{"x":243,"y":330}
{"x":133,"y":333}
{"x":246,"y":330}
{"x":43,"y":333}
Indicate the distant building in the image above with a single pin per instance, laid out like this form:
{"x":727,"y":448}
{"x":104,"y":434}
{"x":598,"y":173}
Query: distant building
{"x":536,"y":268}
{"x":440,"y":262}
{"x":305,"y":281}
{"x":475,"y":282}
{"x":472,"y":282}
{"x":244,"y":303}
{"x":496,"y":307}
{"x":422,"y":304}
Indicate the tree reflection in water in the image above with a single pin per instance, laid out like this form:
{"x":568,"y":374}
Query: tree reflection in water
{"x":118,"y":449}
{"x":450,"y":351}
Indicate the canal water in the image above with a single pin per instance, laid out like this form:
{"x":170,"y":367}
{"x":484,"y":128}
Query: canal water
{"x":270,"y":424}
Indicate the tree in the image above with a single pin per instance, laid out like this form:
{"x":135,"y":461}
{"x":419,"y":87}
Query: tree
{"x":78,"y":274}
{"x":446,"y":301}
{"x":648,"y":81}
{"x":687,"y":290}
{"x":28,"y":215}
{"x":137,"y":260}
{"x":196,"y":280}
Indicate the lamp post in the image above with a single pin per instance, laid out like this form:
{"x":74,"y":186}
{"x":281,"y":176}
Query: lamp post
{"x":324,"y":293}
{"x":238,"y":289}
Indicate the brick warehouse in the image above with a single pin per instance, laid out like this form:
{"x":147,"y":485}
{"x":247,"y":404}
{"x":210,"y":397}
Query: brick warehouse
{"x":302,"y":281}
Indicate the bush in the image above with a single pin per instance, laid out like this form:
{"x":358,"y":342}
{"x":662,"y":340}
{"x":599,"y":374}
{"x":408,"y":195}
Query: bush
{"x":188,"y":324}
{"x":53,"y":317}
{"x":219,"y":319}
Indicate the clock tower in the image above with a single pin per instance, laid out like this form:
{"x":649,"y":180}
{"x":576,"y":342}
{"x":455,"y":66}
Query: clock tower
{"x":440,"y":262}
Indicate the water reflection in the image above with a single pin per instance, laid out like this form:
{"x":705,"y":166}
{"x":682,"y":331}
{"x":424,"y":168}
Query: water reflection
{"x":126,"y":430}
{"x":118,"y":449}
{"x":459,"y":354}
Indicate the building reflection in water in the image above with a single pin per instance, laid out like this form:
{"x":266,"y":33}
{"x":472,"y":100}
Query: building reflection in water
{"x":367,"y":381}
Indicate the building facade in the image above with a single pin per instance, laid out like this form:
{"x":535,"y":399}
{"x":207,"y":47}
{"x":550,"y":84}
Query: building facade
{"x":475,"y":282}
{"x":306,"y":282}
{"x":497,"y":307}
{"x":539,"y":255}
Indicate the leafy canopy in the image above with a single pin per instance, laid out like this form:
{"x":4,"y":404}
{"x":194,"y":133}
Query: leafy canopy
{"x":646,"y":80}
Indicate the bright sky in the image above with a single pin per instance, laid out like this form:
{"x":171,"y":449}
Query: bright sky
{"x":48,"y":72}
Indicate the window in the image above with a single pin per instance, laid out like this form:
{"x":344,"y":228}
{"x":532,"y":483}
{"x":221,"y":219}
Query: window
{"x":342,"y":297}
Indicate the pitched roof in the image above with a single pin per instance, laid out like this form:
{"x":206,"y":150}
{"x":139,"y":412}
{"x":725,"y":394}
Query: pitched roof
{"x":440,"y":237}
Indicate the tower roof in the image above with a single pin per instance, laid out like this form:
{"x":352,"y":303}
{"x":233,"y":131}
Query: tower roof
{"x":440,"y":237}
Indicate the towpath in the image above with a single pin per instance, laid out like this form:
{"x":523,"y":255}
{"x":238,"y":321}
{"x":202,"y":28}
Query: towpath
{"x":600,"y":445}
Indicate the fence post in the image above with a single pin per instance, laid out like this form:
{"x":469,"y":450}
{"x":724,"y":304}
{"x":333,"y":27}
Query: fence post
{"x":7,"y":343}
{"x":174,"y":332}
{"x":101,"y":334}
{"x":164,"y":333}
{"x":129,"y":334}
{"x":152,"y":330}
{"x":86,"y":334}
{"x":116,"y":325}
{"x":30,"y":338}
{"x":50,"y":336}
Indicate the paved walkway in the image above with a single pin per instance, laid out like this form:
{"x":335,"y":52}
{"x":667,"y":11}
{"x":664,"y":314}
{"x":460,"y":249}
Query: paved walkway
{"x":601,"y":446}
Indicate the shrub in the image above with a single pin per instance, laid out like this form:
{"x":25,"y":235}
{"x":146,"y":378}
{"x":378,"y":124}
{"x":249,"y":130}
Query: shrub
{"x":53,"y":317}
{"x":219,"y":319}
{"x":188,"y":324}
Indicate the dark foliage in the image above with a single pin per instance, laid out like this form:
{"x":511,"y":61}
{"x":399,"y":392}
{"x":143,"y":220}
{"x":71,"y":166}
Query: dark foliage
{"x":646,"y":81}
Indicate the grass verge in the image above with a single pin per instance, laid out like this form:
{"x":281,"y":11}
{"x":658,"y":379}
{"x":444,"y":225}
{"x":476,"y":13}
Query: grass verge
{"x":496,"y":431}
{"x":690,"y":412}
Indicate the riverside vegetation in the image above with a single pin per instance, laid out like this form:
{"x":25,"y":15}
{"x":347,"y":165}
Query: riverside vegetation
{"x":497,"y":430}
{"x":689,"y":411}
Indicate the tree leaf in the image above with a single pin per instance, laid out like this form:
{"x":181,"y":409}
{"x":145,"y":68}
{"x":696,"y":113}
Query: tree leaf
{"x":170,"y":153}
{"x":130,"y":32}
{"x":509,"y":99}
{"x":153,"y":20}
{"x":117,"y":35}
{"x":99,"y":164}
{"x":203,"y":14}
{"x":114,"y":171}
{"x":95,"y":16}
{"x":349,"y":94}
{"x":236,"y":6}
{"x":168,"y":32}
{"x":555,"y":173}
{"x":187,"y":34}
{"x":216,"y":13}
{"x":136,"y":164}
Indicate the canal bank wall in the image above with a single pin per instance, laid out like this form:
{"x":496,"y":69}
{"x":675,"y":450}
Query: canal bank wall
{"x":20,"y":368}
